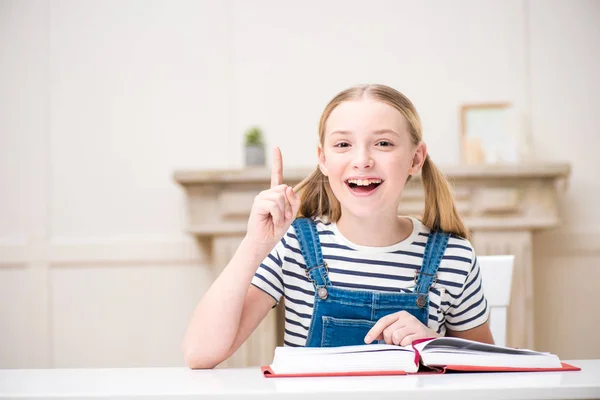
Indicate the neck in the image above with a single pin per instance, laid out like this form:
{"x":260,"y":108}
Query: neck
{"x":377,"y":231}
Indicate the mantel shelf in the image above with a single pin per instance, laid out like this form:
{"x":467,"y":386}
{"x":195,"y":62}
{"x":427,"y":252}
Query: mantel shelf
{"x":496,"y":171}
{"x":219,"y":229}
{"x":239,"y":228}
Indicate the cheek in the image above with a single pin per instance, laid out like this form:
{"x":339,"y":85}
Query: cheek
{"x":335,"y":175}
{"x":334,"y":165}
{"x":335,"y":170}
{"x":399,"y":166}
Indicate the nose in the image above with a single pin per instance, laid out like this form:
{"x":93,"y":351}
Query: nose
{"x":362,"y":159}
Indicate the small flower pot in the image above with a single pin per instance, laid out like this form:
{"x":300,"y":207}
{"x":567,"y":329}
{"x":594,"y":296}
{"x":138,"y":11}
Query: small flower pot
{"x":255,"y":156}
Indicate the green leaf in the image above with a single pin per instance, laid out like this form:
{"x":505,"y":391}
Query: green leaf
{"x":254,"y":136}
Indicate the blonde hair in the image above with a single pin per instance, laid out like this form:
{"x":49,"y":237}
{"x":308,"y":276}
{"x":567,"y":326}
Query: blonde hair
{"x":318,"y":200}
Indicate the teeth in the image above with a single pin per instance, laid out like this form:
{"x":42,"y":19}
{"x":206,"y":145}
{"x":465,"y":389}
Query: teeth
{"x":364,"y":182}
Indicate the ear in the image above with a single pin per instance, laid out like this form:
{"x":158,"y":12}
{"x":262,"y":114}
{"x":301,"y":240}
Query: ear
{"x":418,"y":159}
{"x":322,"y":166}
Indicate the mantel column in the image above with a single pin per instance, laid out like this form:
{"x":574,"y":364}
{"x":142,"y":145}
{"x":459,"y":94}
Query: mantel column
{"x":520,"y":317}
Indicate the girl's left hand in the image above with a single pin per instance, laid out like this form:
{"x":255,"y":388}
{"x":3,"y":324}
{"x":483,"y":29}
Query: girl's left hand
{"x":400,"y":328}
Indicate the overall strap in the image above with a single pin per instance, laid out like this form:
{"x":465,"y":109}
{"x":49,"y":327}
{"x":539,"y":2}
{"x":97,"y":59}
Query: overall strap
{"x":310,"y":246}
{"x":434,"y":251}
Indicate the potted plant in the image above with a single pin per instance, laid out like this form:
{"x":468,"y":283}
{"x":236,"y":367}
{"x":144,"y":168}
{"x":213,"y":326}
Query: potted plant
{"x":255,"y":147}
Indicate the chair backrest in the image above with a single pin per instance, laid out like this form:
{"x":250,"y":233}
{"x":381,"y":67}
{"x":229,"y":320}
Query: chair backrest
{"x":496,"y":275}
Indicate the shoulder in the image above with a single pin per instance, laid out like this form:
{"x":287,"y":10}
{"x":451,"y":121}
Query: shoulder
{"x":291,"y":236}
{"x":460,"y":255}
{"x":322,"y":224}
{"x":290,"y":241}
{"x":459,"y":251}
{"x":458,"y":266}
{"x":458,"y":242}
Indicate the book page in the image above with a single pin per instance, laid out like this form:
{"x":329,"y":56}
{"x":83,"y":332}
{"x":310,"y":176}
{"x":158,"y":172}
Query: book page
{"x":361,"y":358}
{"x":455,"y":351}
{"x":457,"y":345}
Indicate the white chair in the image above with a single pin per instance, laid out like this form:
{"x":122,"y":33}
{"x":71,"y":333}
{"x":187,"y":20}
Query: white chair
{"x":496,"y":274}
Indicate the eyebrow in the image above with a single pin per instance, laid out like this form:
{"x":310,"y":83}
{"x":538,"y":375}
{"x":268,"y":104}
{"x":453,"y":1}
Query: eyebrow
{"x":377,"y":132}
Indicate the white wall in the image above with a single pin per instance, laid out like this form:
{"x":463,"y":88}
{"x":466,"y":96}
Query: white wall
{"x":565,"y":98}
{"x":101,"y":101}
{"x":289,"y":60}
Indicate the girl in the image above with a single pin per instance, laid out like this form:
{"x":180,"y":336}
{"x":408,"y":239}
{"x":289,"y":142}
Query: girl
{"x":350,"y":269}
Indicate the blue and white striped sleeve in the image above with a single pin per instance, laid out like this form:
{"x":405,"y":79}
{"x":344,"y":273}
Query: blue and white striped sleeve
{"x":269,"y":276}
{"x":470,"y":309}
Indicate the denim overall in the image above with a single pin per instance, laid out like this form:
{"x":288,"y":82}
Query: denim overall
{"x":342,"y":317}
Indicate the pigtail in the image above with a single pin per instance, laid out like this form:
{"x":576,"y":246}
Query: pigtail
{"x":440,"y":211}
{"x":317,"y":198}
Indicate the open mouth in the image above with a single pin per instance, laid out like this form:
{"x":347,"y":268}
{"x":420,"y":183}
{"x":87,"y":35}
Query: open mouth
{"x":363,"y":186}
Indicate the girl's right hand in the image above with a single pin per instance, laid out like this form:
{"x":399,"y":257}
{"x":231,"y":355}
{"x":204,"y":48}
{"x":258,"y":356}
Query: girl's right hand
{"x":273,"y":210}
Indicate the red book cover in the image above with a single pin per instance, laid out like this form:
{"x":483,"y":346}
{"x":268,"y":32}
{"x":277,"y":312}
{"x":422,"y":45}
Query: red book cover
{"x":269,"y":373}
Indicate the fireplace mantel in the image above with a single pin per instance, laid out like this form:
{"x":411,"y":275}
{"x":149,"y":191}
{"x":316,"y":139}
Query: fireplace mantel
{"x":503,"y":205}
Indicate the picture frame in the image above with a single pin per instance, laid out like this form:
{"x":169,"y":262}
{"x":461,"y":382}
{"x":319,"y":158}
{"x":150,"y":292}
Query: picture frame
{"x":488,"y":134}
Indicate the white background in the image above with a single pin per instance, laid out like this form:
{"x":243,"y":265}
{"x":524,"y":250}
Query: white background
{"x":100,"y":101}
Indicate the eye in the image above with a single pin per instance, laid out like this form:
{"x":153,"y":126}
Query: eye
{"x":342,"y":144}
{"x":385,"y":143}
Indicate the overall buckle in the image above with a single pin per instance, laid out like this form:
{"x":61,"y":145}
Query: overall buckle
{"x":306,"y":271}
{"x":416,"y":277}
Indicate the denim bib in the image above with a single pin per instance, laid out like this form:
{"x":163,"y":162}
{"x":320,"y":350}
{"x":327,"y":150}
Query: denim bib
{"x":342,"y":317}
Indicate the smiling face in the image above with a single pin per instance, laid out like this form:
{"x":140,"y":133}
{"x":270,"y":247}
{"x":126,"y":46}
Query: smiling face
{"x":367,"y":154}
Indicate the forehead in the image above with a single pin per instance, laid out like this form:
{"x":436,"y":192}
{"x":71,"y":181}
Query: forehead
{"x":365,"y":115}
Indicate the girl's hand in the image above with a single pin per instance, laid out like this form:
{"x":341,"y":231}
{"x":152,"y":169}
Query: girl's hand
{"x":400,"y":328}
{"x":273,"y":210}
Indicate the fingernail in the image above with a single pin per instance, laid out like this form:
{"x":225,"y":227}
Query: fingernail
{"x":368,"y":339}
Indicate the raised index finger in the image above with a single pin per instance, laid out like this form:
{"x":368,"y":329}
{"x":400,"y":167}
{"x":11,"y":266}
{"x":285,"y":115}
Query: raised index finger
{"x":277,"y":171}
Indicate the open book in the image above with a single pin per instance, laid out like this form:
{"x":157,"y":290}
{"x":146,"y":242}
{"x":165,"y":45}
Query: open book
{"x":428,"y":355}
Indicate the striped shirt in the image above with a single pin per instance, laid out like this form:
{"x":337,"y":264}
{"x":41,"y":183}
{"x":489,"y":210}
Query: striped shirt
{"x":456,"y":301}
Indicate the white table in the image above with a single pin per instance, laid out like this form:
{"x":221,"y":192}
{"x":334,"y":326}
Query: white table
{"x":249,"y":384}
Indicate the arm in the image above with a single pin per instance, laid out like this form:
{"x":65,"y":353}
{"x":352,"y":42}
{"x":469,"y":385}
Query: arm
{"x":481,"y":333}
{"x":228,"y":313}
{"x":256,"y":307}
{"x":231,"y":308}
